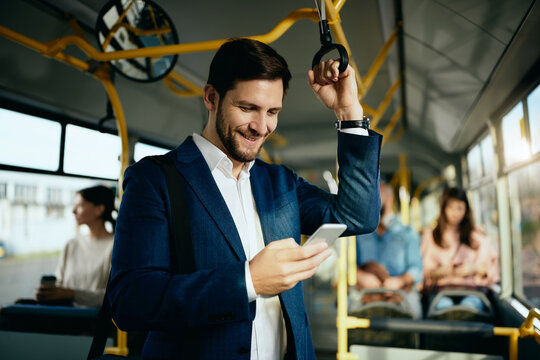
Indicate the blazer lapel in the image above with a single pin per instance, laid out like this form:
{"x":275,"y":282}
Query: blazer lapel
{"x":263,"y":194}
{"x":193,"y":168}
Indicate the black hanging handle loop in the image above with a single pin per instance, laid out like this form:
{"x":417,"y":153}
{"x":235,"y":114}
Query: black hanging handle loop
{"x":327,"y":46}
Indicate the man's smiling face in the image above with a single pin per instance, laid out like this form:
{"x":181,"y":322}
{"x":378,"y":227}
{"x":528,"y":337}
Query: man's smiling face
{"x":246,"y":116}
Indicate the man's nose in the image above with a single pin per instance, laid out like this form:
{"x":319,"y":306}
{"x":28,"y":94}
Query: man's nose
{"x":260,"y":123}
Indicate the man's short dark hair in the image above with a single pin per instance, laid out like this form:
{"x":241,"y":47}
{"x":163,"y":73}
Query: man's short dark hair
{"x":246,"y":59}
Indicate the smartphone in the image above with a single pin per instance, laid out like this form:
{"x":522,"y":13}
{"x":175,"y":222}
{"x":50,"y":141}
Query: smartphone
{"x":326,"y":232}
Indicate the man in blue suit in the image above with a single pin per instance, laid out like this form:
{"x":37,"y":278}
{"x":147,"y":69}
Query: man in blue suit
{"x":244,"y":300}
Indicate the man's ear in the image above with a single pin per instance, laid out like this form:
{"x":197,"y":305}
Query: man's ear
{"x":211,"y":97}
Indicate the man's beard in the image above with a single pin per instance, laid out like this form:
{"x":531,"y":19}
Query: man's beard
{"x":230,"y":143}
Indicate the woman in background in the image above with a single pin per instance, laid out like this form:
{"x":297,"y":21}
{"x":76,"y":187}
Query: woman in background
{"x":83,"y":270}
{"x":456,"y":254}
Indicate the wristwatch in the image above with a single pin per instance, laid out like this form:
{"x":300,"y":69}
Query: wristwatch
{"x":349,"y":124}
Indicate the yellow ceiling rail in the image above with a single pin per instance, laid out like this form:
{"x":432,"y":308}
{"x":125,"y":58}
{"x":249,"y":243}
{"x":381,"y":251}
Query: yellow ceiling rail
{"x":391,"y":125}
{"x":76,"y":28}
{"x":379,"y":60}
{"x":120,"y":18}
{"x":383,"y":106}
{"x":397,"y":135}
{"x":338,"y":4}
{"x":36,"y":45}
{"x":134,"y":30}
{"x":158,"y":51}
{"x":192,"y":89}
{"x":332,"y":10}
{"x":335,"y":24}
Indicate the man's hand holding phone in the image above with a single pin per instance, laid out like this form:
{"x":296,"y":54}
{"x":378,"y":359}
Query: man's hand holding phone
{"x":283,"y":263}
{"x":326,"y":233}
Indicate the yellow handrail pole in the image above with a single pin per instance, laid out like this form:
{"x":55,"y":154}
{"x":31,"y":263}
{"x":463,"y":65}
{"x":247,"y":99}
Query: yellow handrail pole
{"x":404,"y":189}
{"x":386,"y":101}
{"x":415,"y":201}
{"x":36,"y":45}
{"x":76,"y":28}
{"x":185,"y":83}
{"x":159,"y":51}
{"x":527,"y":329}
{"x":338,"y":4}
{"x":513,"y":334}
{"x":102,"y":74}
{"x":392,"y":123}
{"x":113,"y":31}
{"x":351,"y":255}
{"x":335,"y":24}
{"x":396,"y":135}
{"x":185,"y":93}
{"x":342,"y":297}
{"x":379,"y":60}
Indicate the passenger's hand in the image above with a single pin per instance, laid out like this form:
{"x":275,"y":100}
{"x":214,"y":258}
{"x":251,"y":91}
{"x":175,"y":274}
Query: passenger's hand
{"x":283,"y":263}
{"x":393,"y":283}
{"x":336,"y":91}
{"x":465,"y":270}
{"x":51,"y":293}
{"x":366,"y":280}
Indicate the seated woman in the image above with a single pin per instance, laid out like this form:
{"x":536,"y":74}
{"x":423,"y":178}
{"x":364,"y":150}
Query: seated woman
{"x":456,"y":254}
{"x":84,"y":266}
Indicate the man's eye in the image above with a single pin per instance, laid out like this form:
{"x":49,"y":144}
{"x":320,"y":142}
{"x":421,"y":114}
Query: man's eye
{"x":245,"y":108}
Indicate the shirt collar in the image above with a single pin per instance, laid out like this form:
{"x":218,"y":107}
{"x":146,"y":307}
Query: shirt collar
{"x":215,"y":158}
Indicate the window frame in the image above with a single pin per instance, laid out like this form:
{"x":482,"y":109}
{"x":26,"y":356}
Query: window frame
{"x":47,"y":112}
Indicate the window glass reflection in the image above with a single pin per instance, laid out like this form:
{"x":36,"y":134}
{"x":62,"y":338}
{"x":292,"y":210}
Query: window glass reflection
{"x":91,"y":153}
{"x":516,"y":147}
{"x":488,"y":159}
{"x":524,"y":196}
{"x":22,"y":134}
{"x":533,"y":107}
{"x":474,"y":163}
{"x":142,"y":150}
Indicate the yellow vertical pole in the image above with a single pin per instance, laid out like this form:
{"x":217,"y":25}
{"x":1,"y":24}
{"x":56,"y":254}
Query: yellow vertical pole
{"x":102,"y":74}
{"x":351,"y":255}
{"x":404,"y":189}
{"x":342,"y":297}
{"x":514,"y":346}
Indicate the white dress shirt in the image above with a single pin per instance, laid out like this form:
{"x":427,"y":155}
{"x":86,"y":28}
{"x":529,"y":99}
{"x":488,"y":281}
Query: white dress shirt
{"x":268,"y":335}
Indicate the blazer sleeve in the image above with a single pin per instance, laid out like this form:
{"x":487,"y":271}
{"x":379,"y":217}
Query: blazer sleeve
{"x":357,"y":203}
{"x":143,"y":293}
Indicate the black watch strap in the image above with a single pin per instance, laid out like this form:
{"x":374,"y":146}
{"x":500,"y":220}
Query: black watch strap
{"x":350,"y":124}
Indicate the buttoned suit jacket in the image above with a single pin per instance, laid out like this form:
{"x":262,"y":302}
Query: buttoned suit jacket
{"x":206,"y":314}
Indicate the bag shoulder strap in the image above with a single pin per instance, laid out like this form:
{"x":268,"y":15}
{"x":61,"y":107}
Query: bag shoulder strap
{"x":181,"y":247}
{"x":182,"y":255}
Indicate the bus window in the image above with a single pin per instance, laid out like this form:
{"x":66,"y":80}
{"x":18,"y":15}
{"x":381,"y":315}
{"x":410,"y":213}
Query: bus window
{"x":524,"y":194}
{"x":141,"y":150}
{"x":488,"y":159}
{"x":22,"y":134}
{"x":516,"y":147}
{"x":91,"y":153}
{"x":474,"y":164}
{"x":36,"y":221}
{"x":533,"y":107}
{"x":484,"y":204}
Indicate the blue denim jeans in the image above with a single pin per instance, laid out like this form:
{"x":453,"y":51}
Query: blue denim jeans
{"x":471,"y":301}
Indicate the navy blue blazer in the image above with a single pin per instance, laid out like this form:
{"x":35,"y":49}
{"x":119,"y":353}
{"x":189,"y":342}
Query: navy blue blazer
{"x":206,"y":314}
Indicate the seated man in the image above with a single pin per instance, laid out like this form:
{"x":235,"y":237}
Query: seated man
{"x":390,"y":256}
